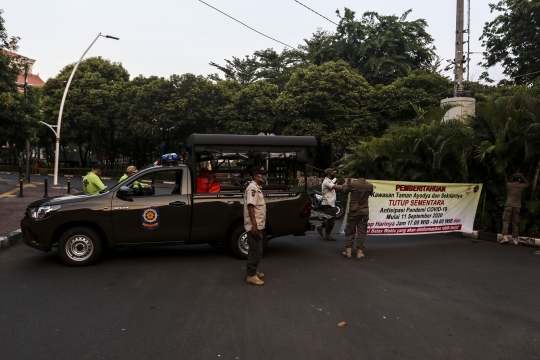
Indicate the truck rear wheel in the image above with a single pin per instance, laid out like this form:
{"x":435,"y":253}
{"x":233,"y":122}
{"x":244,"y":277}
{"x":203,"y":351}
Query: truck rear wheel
{"x":239,"y":243}
{"x":79,"y":246}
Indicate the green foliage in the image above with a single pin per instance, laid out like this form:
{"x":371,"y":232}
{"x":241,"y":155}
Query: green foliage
{"x":381,"y":48}
{"x":18,"y":109}
{"x":327,"y":102}
{"x":90,"y":115}
{"x":245,"y":71}
{"x":251,"y":110}
{"x":512,"y":38}
{"x":9,"y":98}
{"x":419,"y":87}
{"x":324,"y":101}
{"x":266,"y":65}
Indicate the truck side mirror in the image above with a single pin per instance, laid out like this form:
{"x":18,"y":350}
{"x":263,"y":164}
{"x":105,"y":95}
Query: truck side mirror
{"x":123,"y":192}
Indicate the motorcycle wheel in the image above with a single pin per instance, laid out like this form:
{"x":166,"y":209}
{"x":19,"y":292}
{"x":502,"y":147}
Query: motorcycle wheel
{"x":340,"y":211}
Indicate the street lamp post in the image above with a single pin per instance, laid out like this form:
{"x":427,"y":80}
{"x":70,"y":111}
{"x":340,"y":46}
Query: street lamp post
{"x":57,"y":132}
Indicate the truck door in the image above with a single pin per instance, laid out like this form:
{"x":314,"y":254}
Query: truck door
{"x":173,"y":204}
{"x":126,"y":219}
{"x":157,"y":212}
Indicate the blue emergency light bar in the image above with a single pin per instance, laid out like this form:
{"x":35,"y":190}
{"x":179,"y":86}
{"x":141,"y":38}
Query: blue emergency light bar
{"x":169,"y":158}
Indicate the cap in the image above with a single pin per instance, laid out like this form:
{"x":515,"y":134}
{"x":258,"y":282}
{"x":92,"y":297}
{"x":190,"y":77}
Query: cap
{"x":131,"y":169}
{"x":257,"y":170}
{"x":98,"y":166}
{"x":517,"y":175}
{"x":361,"y":170}
{"x":328,"y":171}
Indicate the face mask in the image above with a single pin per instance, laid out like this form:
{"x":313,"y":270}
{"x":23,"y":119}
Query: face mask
{"x":265,"y":179}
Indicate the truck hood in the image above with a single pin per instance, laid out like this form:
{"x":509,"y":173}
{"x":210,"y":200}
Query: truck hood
{"x":60,"y":200}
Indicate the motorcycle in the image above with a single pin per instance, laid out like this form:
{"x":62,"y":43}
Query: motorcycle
{"x":316,"y":202}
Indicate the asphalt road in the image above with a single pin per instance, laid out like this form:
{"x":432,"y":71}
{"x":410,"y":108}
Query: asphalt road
{"x":412,"y":297}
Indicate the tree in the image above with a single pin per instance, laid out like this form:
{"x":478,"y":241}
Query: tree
{"x":381,"y":48}
{"x":328,"y":102}
{"x":266,"y":65}
{"x":8,"y":73}
{"x":512,"y":38}
{"x":148,"y":107}
{"x":278,"y":68}
{"x":160,"y":110}
{"x":391,"y":104}
{"x":251,"y":110}
{"x":18,"y":110}
{"x":90,"y":117}
{"x":245,"y":71}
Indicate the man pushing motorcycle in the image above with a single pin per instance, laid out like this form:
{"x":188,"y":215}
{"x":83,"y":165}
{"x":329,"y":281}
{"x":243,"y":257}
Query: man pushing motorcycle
{"x":328,"y":204}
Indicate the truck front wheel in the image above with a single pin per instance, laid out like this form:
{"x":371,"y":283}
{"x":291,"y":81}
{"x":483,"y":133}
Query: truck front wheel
{"x":79,"y":246}
{"x":239,"y":243}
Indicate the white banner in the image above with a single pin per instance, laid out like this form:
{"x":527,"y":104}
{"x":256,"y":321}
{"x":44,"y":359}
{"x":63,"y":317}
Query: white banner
{"x":407,"y":208}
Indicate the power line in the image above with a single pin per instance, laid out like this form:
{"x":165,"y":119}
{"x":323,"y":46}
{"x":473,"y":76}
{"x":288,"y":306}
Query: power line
{"x":397,"y":107}
{"x":534,"y":72}
{"x":249,"y":27}
{"x":316,"y":12}
{"x":527,"y":74}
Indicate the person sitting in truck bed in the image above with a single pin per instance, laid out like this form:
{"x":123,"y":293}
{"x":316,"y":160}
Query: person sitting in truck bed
{"x":207,"y":182}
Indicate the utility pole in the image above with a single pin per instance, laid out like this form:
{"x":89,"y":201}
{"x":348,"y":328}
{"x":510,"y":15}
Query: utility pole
{"x":463,"y":101}
{"x":468,"y":41}
{"x":459,"y":58}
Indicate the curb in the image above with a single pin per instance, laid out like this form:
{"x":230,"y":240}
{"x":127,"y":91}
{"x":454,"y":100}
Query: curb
{"x":522,"y":240}
{"x":10,"y":239}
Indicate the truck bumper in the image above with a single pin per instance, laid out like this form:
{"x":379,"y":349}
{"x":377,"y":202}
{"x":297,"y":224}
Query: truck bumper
{"x":29,"y":234}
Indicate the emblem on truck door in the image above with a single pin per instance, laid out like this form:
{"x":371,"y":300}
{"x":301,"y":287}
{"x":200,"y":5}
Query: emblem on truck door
{"x":150,"y":218}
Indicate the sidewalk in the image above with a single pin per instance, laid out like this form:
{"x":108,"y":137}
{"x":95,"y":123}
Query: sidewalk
{"x":12,"y":207}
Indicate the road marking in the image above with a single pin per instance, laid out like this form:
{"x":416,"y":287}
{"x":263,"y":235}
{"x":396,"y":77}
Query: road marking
{"x":9,"y":193}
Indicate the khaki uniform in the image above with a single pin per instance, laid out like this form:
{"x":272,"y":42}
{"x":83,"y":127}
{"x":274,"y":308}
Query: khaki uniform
{"x":254,"y":196}
{"x":358,"y":212}
{"x":512,"y":208}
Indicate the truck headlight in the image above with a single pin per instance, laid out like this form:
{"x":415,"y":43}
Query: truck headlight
{"x":43,"y":211}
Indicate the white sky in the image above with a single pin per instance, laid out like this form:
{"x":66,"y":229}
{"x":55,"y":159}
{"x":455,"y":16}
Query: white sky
{"x":164,"y":37}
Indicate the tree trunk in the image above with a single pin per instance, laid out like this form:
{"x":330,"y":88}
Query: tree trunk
{"x":81,"y":156}
{"x":535,"y":180}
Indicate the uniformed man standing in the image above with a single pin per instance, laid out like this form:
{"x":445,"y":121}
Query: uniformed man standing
{"x":92,"y":184}
{"x":358,"y":216}
{"x":254,"y":223}
{"x":328,"y":204}
{"x":514,"y":189}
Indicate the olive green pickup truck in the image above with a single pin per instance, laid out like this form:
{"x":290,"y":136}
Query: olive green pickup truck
{"x":167,"y":203}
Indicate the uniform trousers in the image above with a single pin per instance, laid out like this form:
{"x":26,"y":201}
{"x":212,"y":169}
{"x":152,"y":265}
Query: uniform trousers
{"x":328,"y":224}
{"x":354,"y":223}
{"x":255,"y":251}
{"x":511,"y":214}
